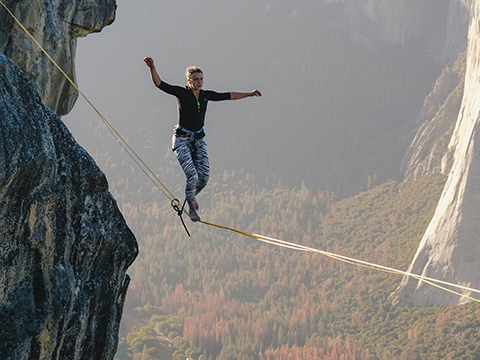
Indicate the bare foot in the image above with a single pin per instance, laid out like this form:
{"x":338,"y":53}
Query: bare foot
{"x":193,"y":211}
{"x":194,"y":216}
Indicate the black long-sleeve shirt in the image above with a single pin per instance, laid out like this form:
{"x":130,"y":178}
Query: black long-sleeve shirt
{"x":191,"y":114}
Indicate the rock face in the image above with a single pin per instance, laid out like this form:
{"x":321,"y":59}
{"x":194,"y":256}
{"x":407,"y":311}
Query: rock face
{"x":64,"y":245}
{"x":56,"y":25}
{"x":450,"y":247}
{"x":439,"y":114}
{"x":439,"y":25}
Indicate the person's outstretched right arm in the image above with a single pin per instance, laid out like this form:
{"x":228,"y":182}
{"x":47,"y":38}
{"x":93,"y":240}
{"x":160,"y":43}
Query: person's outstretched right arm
{"x":155,"y":77}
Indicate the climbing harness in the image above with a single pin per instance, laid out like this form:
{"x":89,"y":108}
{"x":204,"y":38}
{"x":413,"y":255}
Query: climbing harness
{"x":185,"y":130}
{"x":179,"y":211}
{"x":285,"y":244}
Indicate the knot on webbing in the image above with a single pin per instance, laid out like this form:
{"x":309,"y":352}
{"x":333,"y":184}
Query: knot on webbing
{"x":175,"y":204}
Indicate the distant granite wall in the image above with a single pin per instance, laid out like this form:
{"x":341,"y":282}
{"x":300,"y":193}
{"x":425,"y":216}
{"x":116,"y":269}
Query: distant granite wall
{"x":56,"y":25}
{"x":429,"y":149}
{"x":439,"y":25}
{"x":64,"y":245}
{"x":450,"y":248}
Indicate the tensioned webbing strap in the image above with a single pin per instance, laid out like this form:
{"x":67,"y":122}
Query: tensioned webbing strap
{"x":434,"y":282}
{"x":281,"y":243}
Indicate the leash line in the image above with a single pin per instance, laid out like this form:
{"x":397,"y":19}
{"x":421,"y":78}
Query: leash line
{"x":179,"y":211}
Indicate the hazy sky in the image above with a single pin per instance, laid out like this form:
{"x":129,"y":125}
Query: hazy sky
{"x":326,"y":99}
{"x":110,"y":70}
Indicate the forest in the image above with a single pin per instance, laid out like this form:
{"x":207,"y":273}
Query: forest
{"x":218,"y":295}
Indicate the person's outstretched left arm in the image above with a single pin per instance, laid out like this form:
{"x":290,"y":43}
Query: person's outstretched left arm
{"x":243,"y":95}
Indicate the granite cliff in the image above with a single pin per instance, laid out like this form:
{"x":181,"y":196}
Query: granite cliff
{"x":439,"y":114}
{"x":438,"y":25}
{"x":56,"y":25}
{"x":449,"y":249}
{"x":447,"y":130}
{"x":64,"y":245}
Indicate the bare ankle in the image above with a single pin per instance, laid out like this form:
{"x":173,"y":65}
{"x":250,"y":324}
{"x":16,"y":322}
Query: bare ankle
{"x":193,"y":206}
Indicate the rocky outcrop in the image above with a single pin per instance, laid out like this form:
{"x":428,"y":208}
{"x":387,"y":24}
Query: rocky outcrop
{"x":439,"y":113}
{"x":64,"y":245}
{"x":450,"y":247}
{"x":56,"y":25}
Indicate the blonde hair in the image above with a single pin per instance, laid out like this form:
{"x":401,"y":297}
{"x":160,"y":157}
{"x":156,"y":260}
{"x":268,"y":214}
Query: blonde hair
{"x":192,"y":70}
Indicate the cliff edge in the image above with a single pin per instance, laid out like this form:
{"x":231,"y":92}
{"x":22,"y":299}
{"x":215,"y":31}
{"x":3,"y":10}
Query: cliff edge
{"x":450,"y":248}
{"x":56,"y":25}
{"x":65,"y":246}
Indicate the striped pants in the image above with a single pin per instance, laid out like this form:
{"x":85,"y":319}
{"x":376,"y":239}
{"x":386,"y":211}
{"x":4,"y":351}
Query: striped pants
{"x":192,"y":156}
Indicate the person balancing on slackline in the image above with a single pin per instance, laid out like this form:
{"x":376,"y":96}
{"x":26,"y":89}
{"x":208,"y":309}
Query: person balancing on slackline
{"x":188,"y":134}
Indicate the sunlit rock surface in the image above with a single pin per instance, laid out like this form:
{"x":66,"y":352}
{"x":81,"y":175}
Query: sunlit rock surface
{"x":429,"y":149}
{"x":64,"y":245}
{"x":56,"y":25}
{"x":450,"y":248}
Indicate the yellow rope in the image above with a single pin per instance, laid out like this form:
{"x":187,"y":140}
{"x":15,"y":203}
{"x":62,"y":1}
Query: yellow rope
{"x":289,"y":245}
{"x":285,"y":244}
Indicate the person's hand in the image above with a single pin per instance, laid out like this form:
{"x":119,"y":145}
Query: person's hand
{"x":149,"y":61}
{"x":255,"y":93}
